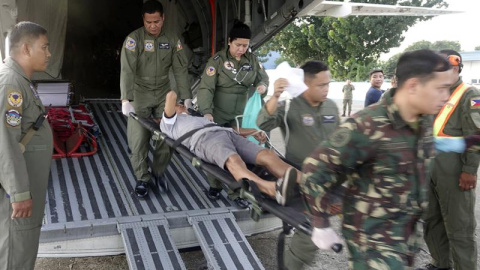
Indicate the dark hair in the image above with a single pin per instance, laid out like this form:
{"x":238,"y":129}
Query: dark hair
{"x":239,"y":30}
{"x":419,"y":64}
{"x":25,"y":30}
{"x":374,"y":71}
{"x":311,"y":68}
{"x":449,"y":52}
{"x":152,"y":6}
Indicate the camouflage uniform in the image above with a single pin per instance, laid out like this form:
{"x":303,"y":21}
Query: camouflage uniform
{"x":347,"y":98}
{"x":385,"y":161}
{"x":450,"y":219}
{"x":145,"y":63}
{"x":224,"y":88}
{"x":308,"y":127}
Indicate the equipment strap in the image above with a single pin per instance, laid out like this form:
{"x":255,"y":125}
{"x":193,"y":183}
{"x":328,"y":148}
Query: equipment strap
{"x":447,"y":110}
{"x":31,"y":131}
{"x":189,"y":134}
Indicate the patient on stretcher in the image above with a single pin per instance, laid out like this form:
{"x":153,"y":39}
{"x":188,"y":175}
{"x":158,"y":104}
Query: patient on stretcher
{"x":228,"y":150}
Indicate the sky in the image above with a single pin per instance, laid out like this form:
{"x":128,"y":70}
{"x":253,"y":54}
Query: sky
{"x":462,"y":27}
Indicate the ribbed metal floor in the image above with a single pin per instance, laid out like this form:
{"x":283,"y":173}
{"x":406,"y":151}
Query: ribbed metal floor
{"x":149,"y":245}
{"x":100,"y":186}
{"x":223,"y":244}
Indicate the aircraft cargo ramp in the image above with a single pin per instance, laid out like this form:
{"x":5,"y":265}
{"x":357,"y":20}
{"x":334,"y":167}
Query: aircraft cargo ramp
{"x":92,"y":211}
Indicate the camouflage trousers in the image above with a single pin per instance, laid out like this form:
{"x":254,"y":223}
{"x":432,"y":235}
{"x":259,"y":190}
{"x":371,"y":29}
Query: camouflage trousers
{"x":381,"y":256}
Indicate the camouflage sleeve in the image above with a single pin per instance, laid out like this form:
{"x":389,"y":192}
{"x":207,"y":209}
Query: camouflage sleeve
{"x":471,"y":125}
{"x":128,"y":66}
{"x":262,"y":77}
{"x":180,"y":71}
{"x":206,"y":90}
{"x":14,"y":178}
{"x":325,"y":170}
{"x":267,"y":122}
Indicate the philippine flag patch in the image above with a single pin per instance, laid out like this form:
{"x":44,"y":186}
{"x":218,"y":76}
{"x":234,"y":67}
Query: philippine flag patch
{"x":475,"y":103}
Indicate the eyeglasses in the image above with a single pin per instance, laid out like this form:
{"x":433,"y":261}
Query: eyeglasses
{"x":454,"y":60}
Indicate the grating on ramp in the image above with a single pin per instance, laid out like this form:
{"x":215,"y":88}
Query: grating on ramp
{"x":149,"y":245}
{"x":223,"y":243}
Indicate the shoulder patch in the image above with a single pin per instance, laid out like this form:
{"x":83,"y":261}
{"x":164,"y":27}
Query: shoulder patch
{"x":149,"y":46}
{"x":475,"y":102}
{"x":130,"y":44}
{"x":216,"y":57}
{"x":15,"y":99}
{"x":179,"y":45}
{"x":13,"y":118}
{"x":229,"y":65}
{"x":340,"y":137}
{"x":210,"y":71}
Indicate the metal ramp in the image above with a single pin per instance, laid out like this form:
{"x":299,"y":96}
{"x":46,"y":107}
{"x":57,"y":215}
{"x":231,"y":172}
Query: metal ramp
{"x":223,"y":243}
{"x":149,"y":245}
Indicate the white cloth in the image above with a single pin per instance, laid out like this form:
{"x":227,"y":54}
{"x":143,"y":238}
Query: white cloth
{"x":295,"y":77}
{"x":325,"y":238}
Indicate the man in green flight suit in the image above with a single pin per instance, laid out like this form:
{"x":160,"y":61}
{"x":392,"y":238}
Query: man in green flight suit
{"x":347,"y":97}
{"x":225,"y":87}
{"x":147,"y":55}
{"x":26,"y":147}
{"x":383,"y":153}
{"x":310,"y":119}
{"x":450,"y":219}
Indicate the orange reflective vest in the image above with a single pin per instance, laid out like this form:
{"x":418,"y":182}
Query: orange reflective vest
{"x":447,"y":110}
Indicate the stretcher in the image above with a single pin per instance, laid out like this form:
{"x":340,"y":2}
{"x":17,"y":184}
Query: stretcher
{"x":292,"y":216}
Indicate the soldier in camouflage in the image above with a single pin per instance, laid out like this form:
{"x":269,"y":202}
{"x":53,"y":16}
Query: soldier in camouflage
{"x":383,"y":154}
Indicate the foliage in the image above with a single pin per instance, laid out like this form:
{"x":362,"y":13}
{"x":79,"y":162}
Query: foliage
{"x":350,"y":46}
{"x":389,"y":66}
{"x":477,"y":48}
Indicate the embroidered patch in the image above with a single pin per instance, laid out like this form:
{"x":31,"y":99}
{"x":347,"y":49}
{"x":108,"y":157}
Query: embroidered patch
{"x":229,"y":65}
{"x":149,"y":47}
{"x":216,"y":57}
{"x":15,"y":99}
{"x":328,"y":118}
{"x":340,"y":137}
{"x":14,"y":118}
{"x":307,"y":120}
{"x":475,"y":103}
{"x":210,"y":71}
{"x":179,"y":45}
{"x":164,"y":46}
{"x":130,"y":44}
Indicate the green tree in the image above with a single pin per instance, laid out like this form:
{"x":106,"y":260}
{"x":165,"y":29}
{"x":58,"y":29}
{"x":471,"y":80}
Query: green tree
{"x":446,"y":44}
{"x":477,"y":48}
{"x":350,"y":46}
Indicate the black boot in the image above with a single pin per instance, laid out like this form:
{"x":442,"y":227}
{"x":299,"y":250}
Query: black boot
{"x":432,"y":267}
{"x":141,"y":189}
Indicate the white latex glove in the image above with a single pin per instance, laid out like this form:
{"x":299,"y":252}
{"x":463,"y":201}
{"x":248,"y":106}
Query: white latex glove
{"x":209,"y":117}
{"x":127,"y":108}
{"x":188,"y":103}
{"x":325,"y":238}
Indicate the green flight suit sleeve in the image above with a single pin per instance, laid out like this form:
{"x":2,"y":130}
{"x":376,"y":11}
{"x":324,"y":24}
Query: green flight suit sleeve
{"x":268,"y":122}
{"x":14,"y":178}
{"x":180,"y":71}
{"x":128,"y":66}
{"x":328,"y":166}
{"x":206,"y":90}
{"x":262,"y":77}
{"x":470,"y":125}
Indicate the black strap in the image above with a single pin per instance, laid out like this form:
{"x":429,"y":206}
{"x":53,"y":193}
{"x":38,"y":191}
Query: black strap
{"x":189,"y":134}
